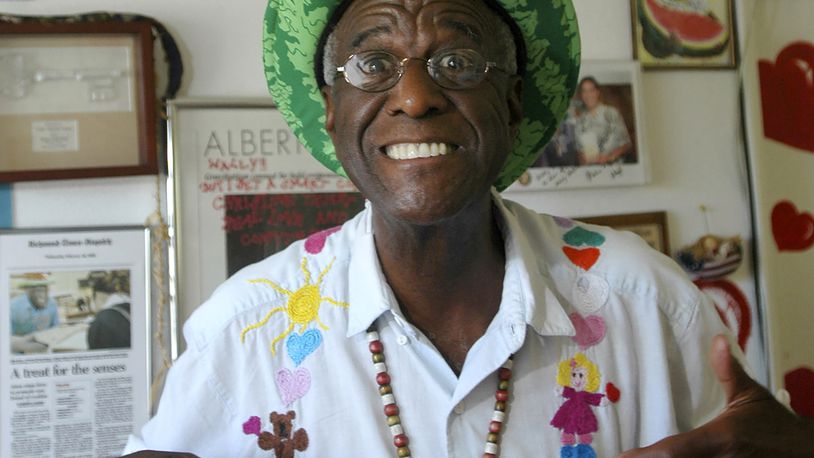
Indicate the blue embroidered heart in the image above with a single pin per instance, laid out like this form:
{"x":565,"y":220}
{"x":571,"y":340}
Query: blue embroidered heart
{"x":579,"y":236}
{"x":301,"y":345}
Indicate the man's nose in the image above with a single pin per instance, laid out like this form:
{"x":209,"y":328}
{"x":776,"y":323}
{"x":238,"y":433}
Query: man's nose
{"x":416,"y":94}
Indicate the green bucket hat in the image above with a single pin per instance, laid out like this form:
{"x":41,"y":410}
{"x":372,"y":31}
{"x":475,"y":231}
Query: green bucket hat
{"x":292,"y":29}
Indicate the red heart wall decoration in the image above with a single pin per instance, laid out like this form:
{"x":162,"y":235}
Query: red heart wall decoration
{"x":792,"y":230}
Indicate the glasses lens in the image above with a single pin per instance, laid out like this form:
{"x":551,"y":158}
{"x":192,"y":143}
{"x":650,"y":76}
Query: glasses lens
{"x":458,"y":68}
{"x":372,"y":70}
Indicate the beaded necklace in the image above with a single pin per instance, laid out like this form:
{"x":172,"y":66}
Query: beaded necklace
{"x":391,"y":408}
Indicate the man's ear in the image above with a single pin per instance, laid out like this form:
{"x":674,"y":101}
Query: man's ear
{"x":329,"y":109}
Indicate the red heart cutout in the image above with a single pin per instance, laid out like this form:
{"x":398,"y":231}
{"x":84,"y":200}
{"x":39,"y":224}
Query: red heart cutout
{"x":612,"y":392}
{"x":792,"y":231}
{"x":800,"y":385}
{"x":584,"y":258}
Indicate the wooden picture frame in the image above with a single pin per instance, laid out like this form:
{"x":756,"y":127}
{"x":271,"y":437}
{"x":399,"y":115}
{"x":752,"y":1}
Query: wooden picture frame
{"x":667,"y":37}
{"x":650,"y":226}
{"x":77,"y":100}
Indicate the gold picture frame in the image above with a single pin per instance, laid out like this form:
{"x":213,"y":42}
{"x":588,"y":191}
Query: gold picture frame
{"x":77,"y":99}
{"x":650,"y":226}
{"x":667,"y":37}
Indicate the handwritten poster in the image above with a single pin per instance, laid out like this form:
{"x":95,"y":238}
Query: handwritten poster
{"x":259,"y":225}
{"x":245,"y":188}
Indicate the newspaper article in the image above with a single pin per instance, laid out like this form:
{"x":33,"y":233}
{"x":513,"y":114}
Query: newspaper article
{"x":74,"y":349}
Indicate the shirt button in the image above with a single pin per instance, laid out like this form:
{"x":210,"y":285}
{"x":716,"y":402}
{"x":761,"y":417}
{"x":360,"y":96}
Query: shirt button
{"x":459,"y":409}
{"x":402,"y":340}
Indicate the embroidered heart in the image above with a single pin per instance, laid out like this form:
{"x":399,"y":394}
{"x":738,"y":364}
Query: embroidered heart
{"x":252,"y":426}
{"x":563,"y":222}
{"x":590,"y":293}
{"x":293,"y":385}
{"x":316,"y":241}
{"x":792,"y":231}
{"x":301,"y":345}
{"x":579,"y":236}
{"x":590,"y":329}
{"x":612,"y":392}
{"x":584,"y":258}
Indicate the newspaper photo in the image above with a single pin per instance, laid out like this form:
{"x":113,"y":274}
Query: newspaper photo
{"x":74,"y":340}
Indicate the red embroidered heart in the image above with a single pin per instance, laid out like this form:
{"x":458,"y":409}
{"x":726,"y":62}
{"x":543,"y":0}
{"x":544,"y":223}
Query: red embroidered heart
{"x":612,"y":392}
{"x":792,"y":231}
{"x":584,"y":258}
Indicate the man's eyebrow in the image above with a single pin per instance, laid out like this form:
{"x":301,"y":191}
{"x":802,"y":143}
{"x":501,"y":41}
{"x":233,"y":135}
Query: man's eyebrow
{"x":359,"y":38}
{"x":460,"y":26}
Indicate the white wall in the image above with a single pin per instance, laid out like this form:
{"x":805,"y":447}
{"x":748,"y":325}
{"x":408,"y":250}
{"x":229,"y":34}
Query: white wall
{"x":691,"y":120}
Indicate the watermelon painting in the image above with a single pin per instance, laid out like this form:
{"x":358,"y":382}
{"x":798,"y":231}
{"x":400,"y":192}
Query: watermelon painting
{"x":684,"y":29}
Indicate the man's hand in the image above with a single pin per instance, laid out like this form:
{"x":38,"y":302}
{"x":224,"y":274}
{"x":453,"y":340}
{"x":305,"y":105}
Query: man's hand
{"x":753,"y":423}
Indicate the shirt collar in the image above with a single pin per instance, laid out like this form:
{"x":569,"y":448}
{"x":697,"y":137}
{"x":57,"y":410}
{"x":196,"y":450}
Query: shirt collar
{"x":528,"y":294}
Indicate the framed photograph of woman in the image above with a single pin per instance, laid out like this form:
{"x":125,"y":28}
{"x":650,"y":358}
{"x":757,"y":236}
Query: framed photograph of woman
{"x":600,"y":142}
{"x":683,"y":33}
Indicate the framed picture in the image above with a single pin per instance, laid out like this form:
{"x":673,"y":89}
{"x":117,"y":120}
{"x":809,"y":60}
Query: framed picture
{"x":244,"y":189}
{"x":600,"y":142}
{"x":684,"y":34}
{"x":76,"y":100}
{"x":74,"y":338}
{"x":651,"y":226}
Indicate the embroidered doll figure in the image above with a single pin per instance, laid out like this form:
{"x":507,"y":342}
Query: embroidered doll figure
{"x":578,"y":379}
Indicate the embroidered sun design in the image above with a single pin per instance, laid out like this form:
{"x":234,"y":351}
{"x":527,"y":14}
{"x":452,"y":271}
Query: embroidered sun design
{"x":302,"y":307}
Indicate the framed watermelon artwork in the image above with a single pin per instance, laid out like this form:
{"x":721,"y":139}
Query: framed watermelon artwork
{"x":683,"y":33}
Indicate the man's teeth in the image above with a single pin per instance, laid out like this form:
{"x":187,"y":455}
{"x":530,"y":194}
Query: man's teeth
{"x":415,"y":150}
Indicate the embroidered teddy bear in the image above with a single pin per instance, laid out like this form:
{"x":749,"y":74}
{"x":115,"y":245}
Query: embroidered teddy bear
{"x":283,"y":439}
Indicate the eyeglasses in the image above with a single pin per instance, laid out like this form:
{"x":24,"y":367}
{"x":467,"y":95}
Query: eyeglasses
{"x":376,"y":71}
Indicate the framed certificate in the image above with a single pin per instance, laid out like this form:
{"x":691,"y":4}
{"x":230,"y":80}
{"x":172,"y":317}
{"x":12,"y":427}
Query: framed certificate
{"x":77,"y":99}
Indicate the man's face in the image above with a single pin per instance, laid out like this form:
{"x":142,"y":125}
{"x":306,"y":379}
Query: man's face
{"x":477,"y":125}
{"x":38,"y":296}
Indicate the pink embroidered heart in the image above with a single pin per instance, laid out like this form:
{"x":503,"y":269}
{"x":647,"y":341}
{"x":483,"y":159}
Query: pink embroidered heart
{"x":316,"y":242}
{"x":293,"y":385}
{"x":612,"y":392}
{"x":590,"y":329}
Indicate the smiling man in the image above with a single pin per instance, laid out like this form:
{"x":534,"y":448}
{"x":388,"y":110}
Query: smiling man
{"x":444,"y":320}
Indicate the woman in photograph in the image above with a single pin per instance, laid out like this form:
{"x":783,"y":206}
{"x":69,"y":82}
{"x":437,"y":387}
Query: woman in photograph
{"x":601,"y":134}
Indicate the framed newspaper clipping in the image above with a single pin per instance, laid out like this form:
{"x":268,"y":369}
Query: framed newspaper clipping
{"x":77,"y":99}
{"x":75,"y":340}
{"x":244,"y":188}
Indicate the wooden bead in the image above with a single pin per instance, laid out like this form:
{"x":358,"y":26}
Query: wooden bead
{"x":391,"y":409}
{"x":383,"y":378}
{"x":500,"y":395}
{"x":401,"y":440}
{"x":504,"y":373}
{"x":376,"y":346}
{"x":393,"y":420}
{"x":494,"y":427}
